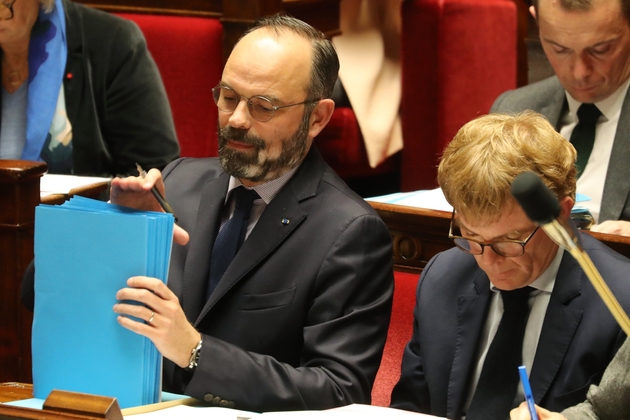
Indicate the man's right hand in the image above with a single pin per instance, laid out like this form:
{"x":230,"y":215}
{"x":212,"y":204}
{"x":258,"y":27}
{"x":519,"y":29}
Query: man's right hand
{"x":135,"y":192}
{"x":522,"y":413}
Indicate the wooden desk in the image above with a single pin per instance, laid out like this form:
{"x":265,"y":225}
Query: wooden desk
{"x":419,"y":234}
{"x":13,"y":391}
{"x":59,"y":405}
{"x":19,"y":195}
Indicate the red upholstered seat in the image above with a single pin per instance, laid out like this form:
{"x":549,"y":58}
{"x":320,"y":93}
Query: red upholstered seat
{"x":188,"y":53}
{"x":457,"y":57}
{"x":399,"y":333}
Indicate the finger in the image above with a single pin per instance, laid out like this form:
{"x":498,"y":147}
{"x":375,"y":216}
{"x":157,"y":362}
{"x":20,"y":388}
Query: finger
{"x":143,"y":297}
{"x":147,"y":290}
{"x":140,"y":312}
{"x":131,"y":183}
{"x":520,"y":413}
{"x":136,"y":326}
{"x":154,"y":178}
{"x":180,"y":236}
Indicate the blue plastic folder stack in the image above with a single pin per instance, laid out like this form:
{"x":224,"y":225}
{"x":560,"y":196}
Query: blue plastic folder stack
{"x":85,"y":250}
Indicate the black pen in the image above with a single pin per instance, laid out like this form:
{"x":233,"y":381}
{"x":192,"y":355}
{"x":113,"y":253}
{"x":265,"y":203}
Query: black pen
{"x":167,"y":208}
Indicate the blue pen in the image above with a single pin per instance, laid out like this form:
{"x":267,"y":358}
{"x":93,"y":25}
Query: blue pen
{"x":527,"y":389}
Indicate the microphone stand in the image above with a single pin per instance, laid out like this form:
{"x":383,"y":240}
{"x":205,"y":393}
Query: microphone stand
{"x":568,"y":238}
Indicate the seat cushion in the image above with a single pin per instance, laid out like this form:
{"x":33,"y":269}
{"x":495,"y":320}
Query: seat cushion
{"x":399,"y":333}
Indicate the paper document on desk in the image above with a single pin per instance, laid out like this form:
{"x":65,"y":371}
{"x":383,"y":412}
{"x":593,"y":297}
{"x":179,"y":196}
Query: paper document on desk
{"x":85,"y":250}
{"x":63,"y":184}
{"x":424,"y":199}
{"x":349,"y":412}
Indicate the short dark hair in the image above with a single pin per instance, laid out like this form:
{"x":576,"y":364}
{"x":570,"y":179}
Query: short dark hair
{"x":584,"y":5}
{"x":325,"y":66}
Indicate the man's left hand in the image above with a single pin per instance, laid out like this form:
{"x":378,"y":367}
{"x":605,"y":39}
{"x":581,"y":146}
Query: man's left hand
{"x":168,"y":328}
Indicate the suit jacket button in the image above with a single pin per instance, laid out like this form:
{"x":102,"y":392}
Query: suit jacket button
{"x":216,"y":400}
{"x":208,"y":397}
{"x":223,"y":403}
{"x":231,"y":404}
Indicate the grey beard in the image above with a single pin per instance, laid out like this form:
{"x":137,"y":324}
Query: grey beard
{"x":256,"y":165}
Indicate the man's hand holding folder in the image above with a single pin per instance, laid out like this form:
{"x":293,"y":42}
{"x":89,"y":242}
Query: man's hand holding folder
{"x":168,"y":329}
{"x":165,"y":323}
{"x":135,"y":191}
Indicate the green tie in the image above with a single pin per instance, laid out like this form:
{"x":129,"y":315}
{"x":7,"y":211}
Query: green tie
{"x":583,"y":135}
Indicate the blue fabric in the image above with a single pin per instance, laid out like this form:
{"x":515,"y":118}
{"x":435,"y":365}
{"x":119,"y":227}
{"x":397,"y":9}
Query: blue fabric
{"x":13,"y":129}
{"x":48,"y":52}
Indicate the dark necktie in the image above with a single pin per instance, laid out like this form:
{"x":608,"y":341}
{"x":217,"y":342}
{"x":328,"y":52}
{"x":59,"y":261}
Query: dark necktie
{"x":498,"y":381}
{"x":583,"y":135}
{"x":231,"y":237}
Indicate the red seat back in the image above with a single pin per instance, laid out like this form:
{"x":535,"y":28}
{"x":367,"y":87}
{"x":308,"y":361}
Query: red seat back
{"x":457,"y":57}
{"x":188,"y":54}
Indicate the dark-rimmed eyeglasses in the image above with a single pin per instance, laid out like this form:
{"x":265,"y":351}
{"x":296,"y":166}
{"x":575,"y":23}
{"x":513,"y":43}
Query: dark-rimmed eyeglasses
{"x":510,"y":248}
{"x":6,"y":10}
{"x":260,"y":108}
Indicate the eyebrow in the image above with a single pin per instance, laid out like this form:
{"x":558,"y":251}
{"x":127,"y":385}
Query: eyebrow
{"x":504,"y":236}
{"x":272,"y":98}
{"x":598,"y":44}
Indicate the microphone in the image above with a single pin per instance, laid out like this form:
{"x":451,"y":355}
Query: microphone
{"x":543,"y":208}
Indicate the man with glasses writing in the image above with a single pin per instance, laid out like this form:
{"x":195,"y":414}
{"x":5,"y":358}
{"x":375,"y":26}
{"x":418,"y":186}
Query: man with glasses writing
{"x":507,"y":295}
{"x":280,"y":287}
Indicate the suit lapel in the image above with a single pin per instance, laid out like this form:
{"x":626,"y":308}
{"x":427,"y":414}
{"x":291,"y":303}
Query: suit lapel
{"x":197,"y":264}
{"x":472,"y":308}
{"x":617,"y":184}
{"x":268,"y":234}
{"x":270,"y":231}
{"x":561,"y":322}
{"x":554,"y":108}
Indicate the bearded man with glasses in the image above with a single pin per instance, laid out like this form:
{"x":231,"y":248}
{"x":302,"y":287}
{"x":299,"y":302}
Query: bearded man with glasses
{"x":297,"y":316}
{"x":507,"y":295}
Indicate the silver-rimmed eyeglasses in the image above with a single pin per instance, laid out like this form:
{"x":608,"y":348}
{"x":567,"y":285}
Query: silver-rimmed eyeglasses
{"x":6,"y":10}
{"x":260,"y":108}
{"x":506,"y":248}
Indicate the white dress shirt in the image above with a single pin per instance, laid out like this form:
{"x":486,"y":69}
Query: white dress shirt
{"x":591,"y":183}
{"x":538,"y":302}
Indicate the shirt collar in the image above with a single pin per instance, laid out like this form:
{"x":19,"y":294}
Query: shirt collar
{"x":266,"y":191}
{"x":609,"y":107}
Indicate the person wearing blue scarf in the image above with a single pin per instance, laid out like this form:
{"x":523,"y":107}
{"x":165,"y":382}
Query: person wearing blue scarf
{"x":80,"y":91}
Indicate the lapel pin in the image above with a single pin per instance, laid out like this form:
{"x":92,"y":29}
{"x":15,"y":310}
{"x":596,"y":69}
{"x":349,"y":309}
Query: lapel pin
{"x":285,"y":221}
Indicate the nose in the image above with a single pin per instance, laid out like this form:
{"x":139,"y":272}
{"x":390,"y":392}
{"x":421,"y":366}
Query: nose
{"x":581,"y":68}
{"x":240,"y":117}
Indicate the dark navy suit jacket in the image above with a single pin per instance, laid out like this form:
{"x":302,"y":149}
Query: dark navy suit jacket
{"x":579,"y":336}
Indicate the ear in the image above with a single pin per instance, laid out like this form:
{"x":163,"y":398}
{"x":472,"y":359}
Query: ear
{"x":532,"y":11}
{"x":320,"y":116}
{"x":566,"y":204}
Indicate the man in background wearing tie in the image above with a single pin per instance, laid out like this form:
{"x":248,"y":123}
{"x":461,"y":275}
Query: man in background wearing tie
{"x":298,"y":318}
{"x":587,"y":42}
{"x":507,"y":295}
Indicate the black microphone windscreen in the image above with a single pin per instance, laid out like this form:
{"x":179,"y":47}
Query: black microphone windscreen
{"x":538,"y":202}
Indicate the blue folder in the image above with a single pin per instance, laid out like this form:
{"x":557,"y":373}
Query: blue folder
{"x":85,"y":250}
